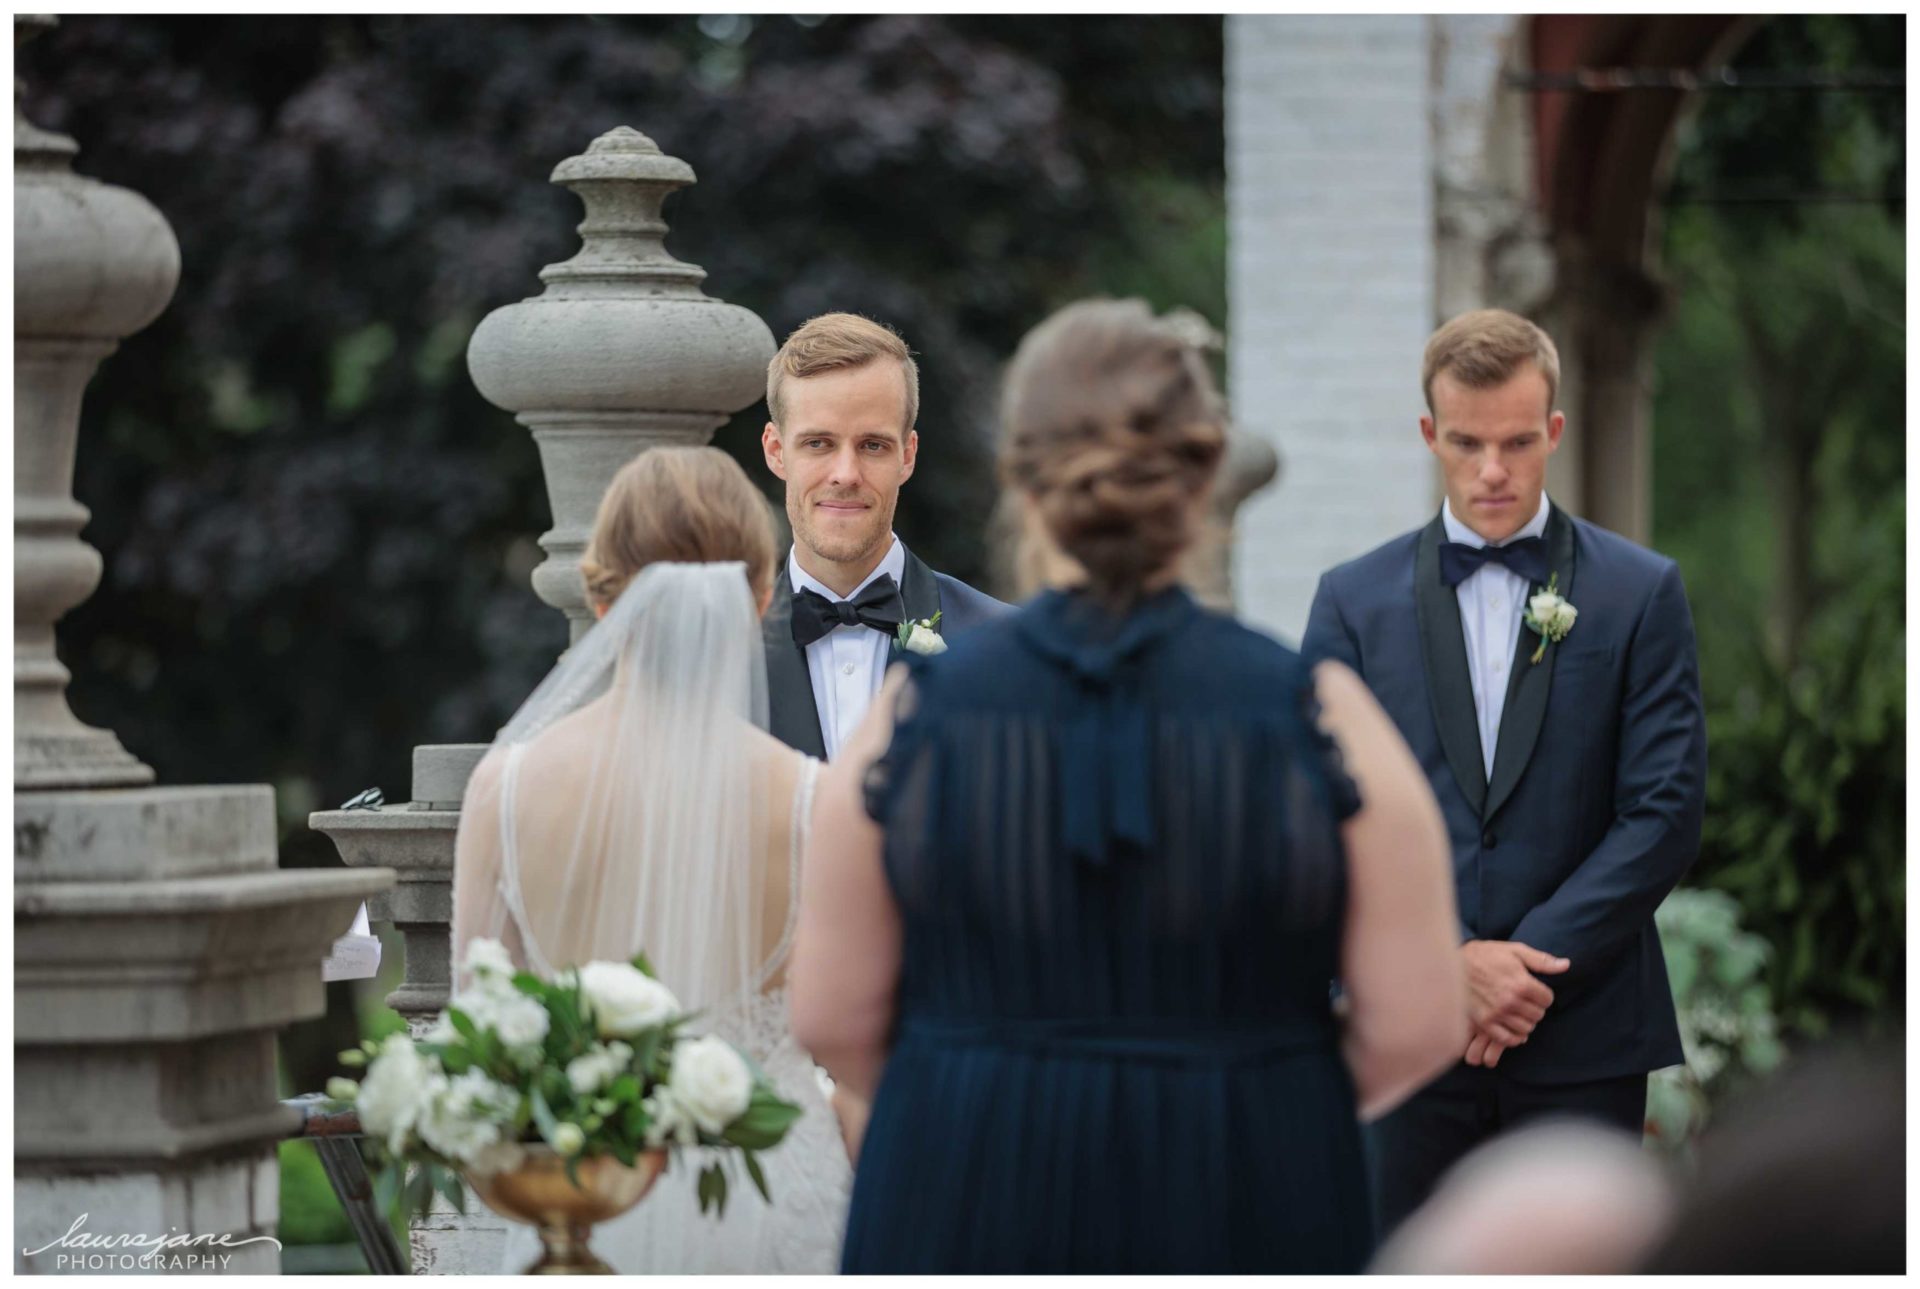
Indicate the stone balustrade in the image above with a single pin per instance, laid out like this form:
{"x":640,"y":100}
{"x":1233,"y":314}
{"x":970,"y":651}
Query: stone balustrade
{"x":158,"y":946}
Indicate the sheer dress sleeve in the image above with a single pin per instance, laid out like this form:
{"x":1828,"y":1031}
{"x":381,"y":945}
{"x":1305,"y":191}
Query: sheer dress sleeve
{"x":1343,"y":795}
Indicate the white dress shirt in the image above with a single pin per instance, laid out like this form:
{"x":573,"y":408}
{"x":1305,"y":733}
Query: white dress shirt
{"x":848,"y":664}
{"x":1493,"y":598}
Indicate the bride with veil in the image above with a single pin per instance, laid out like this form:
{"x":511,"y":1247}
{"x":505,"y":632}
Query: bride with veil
{"x":634,"y":803}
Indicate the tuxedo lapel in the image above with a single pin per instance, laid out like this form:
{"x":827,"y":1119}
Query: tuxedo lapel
{"x":1443,"y":648}
{"x":919,"y":596}
{"x":1526,"y":708}
{"x":919,"y":589}
{"x":792,"y":715}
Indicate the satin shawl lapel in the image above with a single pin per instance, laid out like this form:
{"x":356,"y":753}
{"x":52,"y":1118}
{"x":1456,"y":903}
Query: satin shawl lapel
{"x":919,"y":596}
{"x":1526,"y":709}
{"x":1443,"y":647}
{"x":791,"y":713}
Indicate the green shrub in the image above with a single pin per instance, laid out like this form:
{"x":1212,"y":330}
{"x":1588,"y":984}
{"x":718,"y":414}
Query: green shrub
{"x":309,"y":1211}
{"x":1726,"y":1012}
{"x":1806,"y":822}
{"x":1778,"y":479}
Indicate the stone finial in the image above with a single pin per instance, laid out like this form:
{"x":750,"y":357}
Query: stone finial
{"x":623,"y":179}
{"x":622,"y":351}
{"x":93,"y":263}
{"x":1251,"y":463}
{"x":31,"y":144}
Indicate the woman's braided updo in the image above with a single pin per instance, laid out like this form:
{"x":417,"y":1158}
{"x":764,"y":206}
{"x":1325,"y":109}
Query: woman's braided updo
{"x":1113,"y":427}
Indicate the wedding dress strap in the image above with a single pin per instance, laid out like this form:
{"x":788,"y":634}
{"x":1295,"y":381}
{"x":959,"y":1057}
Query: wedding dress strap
{"x":799,"y":826}
{"x":510,"y":866}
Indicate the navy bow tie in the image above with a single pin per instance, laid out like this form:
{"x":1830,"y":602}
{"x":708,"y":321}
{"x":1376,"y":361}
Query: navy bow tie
{"x":878,"y":607}
{"x":1527,"y":557}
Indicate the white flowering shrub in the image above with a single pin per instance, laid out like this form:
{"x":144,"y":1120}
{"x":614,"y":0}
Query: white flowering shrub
{"x":1727,"y":1025}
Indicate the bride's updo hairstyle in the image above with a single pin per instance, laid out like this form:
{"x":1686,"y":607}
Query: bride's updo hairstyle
{"x":1113,"y":427}
{"x":680,"y":505}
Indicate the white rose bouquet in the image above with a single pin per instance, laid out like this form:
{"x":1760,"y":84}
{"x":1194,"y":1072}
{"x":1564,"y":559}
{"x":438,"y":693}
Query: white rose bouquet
{"x":592,"y":1063}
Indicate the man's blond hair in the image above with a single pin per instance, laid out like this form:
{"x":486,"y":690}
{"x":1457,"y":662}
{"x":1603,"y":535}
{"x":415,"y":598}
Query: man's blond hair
{"x":1484,"y":349}
{"x":835,"y":340}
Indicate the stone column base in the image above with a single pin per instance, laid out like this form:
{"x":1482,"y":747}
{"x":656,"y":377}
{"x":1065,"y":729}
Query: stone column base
{"x":235,"y":1201}
{"x":158,"y":951}
{"x":446,"y":1242}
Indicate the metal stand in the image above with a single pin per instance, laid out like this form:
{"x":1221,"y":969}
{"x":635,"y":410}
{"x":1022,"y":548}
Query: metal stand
{"x":335,"y":1135}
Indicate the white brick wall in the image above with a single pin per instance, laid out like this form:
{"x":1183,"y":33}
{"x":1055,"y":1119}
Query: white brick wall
{"x":1330,"y":269}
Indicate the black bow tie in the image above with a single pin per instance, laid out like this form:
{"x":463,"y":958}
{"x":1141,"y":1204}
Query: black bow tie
{"x":878,"y":607}
{"x":1527,"y":557}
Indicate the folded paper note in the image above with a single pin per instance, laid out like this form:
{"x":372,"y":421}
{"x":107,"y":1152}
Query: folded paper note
{"x":355,"y":955}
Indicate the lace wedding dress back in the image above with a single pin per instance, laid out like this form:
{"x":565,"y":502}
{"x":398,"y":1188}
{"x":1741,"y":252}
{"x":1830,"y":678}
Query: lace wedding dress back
{"x":808,"y":1173}
{"x":633,"y":804}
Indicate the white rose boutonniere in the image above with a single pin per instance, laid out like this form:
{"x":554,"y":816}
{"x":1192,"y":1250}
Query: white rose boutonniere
{"x":1550,"y":616}
{"x":922,"y":636}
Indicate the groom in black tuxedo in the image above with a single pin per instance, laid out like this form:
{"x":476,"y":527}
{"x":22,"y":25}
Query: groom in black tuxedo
{"x":1569,"y":760}
{"x":843,"y":393}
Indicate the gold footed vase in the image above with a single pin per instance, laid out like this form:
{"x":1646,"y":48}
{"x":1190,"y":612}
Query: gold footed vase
{"x":540,"y":1193}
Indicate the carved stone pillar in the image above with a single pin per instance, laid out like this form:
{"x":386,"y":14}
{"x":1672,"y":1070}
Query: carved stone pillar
{"x":158,"y":948}
{"x":92,"y":263}
{"x":621,"y":352}
{"x":1250,"y":464}
{"x":416,"y":841}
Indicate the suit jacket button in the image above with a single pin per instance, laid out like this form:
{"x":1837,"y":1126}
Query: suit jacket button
{"x":1488,"y":840}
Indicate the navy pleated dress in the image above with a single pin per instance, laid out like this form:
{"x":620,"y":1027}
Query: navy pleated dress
{"x":1114,"y":844}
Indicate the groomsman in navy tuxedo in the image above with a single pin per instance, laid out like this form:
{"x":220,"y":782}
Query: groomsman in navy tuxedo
{"x":1543,"y":671}
{"x":843,"y":394}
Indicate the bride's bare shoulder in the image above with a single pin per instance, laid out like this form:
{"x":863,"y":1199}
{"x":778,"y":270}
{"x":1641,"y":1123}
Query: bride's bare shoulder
{"x":778,"y":760}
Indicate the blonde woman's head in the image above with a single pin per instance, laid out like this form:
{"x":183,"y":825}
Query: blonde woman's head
{"x":680,"y":505}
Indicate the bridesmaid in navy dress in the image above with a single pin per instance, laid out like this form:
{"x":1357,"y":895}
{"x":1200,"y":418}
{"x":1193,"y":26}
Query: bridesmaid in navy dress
{"x":1079,"y":892}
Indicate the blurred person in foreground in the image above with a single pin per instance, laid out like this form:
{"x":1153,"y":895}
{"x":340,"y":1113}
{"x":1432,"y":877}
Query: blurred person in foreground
{"x":1805,"y":1174}
{"x":1560,"y":1197}
{"x":1081,"y":884}
{"x":1543,"y":670}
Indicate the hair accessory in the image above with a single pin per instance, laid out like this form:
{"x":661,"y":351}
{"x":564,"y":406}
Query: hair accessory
{"x":1190,"y":328}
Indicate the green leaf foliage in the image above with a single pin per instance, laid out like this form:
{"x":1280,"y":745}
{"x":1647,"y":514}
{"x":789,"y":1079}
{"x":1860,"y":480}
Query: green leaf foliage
{"x":447,"y":1182}
{"x":765,"y":1122}
{"x":543,"y":1117}
{"x":386,"y":1186}
{"x":417,"y":1193}
{"x":1779,"y":454}
{"x":1727,"y":1026}
{"x":310,"y":1211}
{"x":713,"y":1190}
{"x":752,"y":1162}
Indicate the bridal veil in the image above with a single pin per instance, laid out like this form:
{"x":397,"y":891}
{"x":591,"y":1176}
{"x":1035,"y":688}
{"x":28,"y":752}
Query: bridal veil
{"x":623,"y":808}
